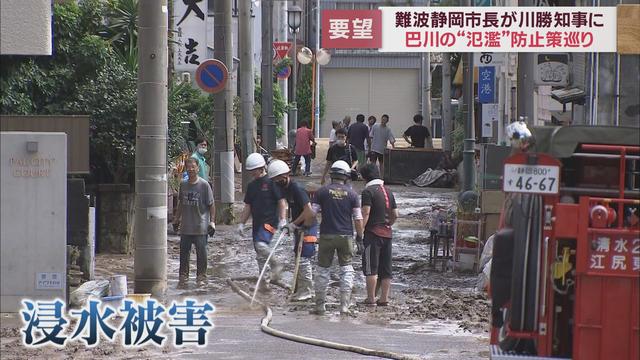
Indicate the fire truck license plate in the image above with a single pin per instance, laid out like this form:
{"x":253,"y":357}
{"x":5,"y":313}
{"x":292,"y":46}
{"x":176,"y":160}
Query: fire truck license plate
{"x":539,"y":179}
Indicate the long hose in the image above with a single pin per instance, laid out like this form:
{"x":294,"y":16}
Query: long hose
{"x":266,"y":320}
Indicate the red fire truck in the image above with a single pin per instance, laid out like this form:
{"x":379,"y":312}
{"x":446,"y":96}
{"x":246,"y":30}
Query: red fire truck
{"x":565,"y":276}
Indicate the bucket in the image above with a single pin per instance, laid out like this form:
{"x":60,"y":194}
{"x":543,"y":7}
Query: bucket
{"x":139,"y":298}
{"x":118,"y":285}
{"x":466,"y":261}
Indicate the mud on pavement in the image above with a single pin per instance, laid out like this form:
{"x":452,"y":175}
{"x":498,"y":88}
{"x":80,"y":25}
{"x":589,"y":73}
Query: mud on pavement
{"x":422,"y":300}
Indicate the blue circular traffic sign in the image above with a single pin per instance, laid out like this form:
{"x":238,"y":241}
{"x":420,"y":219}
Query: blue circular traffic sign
{"x":212,"y":76}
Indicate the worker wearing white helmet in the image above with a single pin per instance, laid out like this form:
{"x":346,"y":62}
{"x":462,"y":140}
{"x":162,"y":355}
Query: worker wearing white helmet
{"x":303,"y":226}
{"x":339,"y":205}
{"x":265,"y":203}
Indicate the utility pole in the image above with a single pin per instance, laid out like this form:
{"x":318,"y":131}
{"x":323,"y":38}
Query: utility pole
{"x":247,"y":123}
{"x":223,"y":126}
{"x":526,"y":86}
{"x":468,"y":154}
{"x":150,"y":257}
{"x":280,"y":30}
{"x":268,"y":120}
{"x":316,"y":111}
{"x":447,"y":128}
{"x":425,"y":66}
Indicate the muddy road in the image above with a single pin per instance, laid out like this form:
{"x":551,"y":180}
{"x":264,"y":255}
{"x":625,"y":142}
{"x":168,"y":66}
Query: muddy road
{"x":432,"y":313}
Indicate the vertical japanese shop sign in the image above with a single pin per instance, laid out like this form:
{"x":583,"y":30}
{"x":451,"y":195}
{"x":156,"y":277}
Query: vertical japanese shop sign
{"x":486,"y":84}
{"x":190,"y":34}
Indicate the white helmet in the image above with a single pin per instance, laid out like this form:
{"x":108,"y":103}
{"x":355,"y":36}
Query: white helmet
{"x":277,"y":167}
{"x":340,"y":168}
{"x":254,"y":161}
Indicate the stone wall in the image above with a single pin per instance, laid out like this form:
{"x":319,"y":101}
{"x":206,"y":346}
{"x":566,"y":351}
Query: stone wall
{"x":115,"y":209}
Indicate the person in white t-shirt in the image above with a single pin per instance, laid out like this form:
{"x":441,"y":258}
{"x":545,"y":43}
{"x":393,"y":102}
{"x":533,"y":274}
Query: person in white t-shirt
{"x":335,"y":125}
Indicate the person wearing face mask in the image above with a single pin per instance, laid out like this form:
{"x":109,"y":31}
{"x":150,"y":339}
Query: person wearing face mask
{"x":303,"y":224}
{"x":195,"y":219}
{"x":202,"y":146}
{"x":340,"y":151}
{"x":266,"y":205}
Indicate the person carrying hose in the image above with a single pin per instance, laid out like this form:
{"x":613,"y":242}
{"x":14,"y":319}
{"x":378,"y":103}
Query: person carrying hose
{"x":339,"y":205}
{"x":303,"y":223}
{"x":266,"y":205}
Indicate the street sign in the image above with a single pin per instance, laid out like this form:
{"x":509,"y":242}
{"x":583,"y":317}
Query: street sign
{"x":488,"y":58}
{"x":490,"y":114}
{"x":281,"y":49}
{"x":284,"y":73}
{"x":212,"y":76}
{"x":486,"y":84}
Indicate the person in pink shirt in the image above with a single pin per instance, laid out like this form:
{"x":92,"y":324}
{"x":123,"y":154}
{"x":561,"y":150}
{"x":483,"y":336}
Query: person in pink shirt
{"x":304,"y":140}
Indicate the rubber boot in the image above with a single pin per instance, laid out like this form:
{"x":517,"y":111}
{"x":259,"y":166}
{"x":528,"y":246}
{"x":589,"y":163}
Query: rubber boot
{"x":276,"y":270}
{"x":322,"y":282}
{"x":346,"y":284}
{"x":262,"y":252}
{"x":345,"y":302}
{"x":201,"y":281}
{"x":305,"y":281}
{"x":263,"y":287}
{"x":182,"y":281}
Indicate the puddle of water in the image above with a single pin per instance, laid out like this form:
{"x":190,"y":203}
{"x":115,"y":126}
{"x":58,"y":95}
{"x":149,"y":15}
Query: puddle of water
{"x":432,"y":327}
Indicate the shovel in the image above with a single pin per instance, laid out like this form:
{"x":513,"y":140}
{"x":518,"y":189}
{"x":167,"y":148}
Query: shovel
{"x":297,"y":265}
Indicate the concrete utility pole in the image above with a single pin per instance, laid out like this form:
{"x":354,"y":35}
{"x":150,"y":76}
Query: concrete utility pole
{"x":293,"y":117}
{"x":280,"y":30}
{"x":150,"y":259}
{"x":526,"y":86}
{"x":425,"y":67}
{"x":268,"y":120}
{"x":316,"y":111}
{"x":468,"y":154}
{"x":425,"y":80}
{"x":247,"y":123}
{"x":447,"y":120}
{"x":223,"y":124}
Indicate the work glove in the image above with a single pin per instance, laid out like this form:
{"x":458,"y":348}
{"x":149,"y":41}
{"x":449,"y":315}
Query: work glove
{"x":176,"y":227}
{"x":291,"y":228}
{"x":282,"y":224}
{"x":359,"y":245}
{"x":241,"y":230}
{"x":211,"y":229}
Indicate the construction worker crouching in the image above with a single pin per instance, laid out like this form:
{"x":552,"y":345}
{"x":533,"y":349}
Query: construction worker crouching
{"x":265,"y":203}
{"x":303,"y":226}
{"x":339,"y":204}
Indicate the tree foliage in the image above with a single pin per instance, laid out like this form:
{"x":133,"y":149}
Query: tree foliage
{"x":122,"y":31}
{"x":280,"y":107}
{"x":304,"y":96}
{"x":91,"y":72}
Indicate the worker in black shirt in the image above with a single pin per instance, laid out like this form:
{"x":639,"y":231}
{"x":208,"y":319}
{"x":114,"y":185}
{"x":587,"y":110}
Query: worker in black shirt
{"x":418,"y":135}
{"x":302,"y":222}
{"x":341,"y":150}
{"x":266,"y":205}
